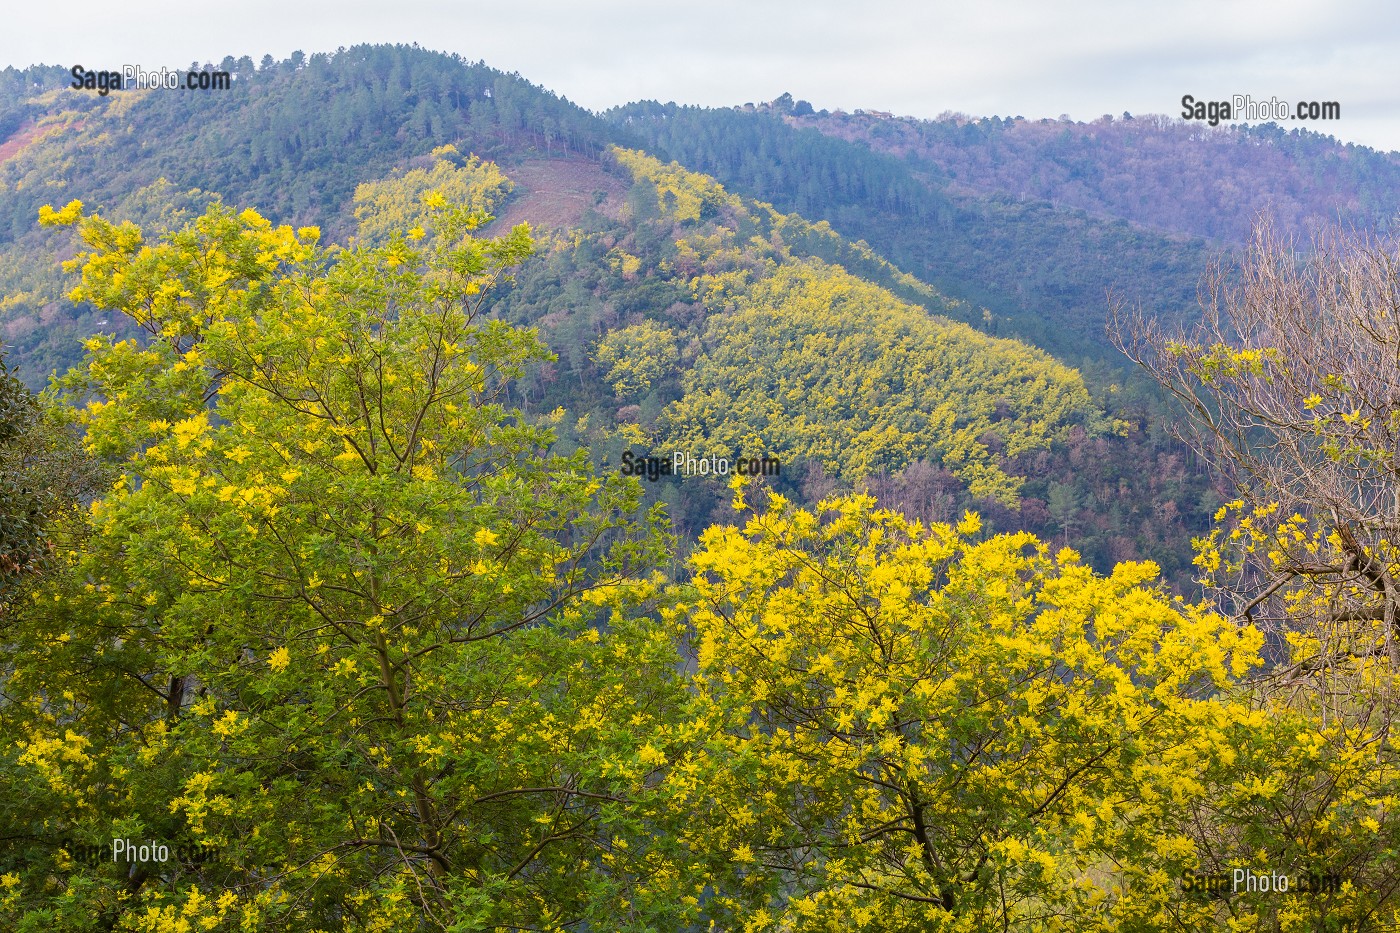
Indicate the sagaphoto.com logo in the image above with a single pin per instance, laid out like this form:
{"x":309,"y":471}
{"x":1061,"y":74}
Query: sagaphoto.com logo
{"x":1246,"y":109}
{"x":136,"y":78}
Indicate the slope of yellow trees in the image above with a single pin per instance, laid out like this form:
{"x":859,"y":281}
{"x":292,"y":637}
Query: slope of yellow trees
{"x":803,"y":360}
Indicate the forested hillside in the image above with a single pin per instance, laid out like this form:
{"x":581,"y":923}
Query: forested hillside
{"x":1161,"y":173}
{"x":300,"y":138}
{"x":723,"y":326}
{"x":1044,"y":274}
{"x":294,"y":137}
{"x":758,"y":342}
{"x":1037,"y":220}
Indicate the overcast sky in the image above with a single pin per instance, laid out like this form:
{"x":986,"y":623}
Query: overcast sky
{"x":1007,"y":57}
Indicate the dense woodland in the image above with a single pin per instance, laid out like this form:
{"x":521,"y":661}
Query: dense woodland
{"x":1161,"y":173}
{"x":317,"y":562}
{"x":1043,"y":273}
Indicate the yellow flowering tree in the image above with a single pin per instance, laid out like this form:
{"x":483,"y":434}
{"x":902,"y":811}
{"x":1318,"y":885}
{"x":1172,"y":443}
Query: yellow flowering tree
{"x":344,"y":635}
{"x":914,"y":728}
{"x":1288,"y":383}
{"x":1289,"y":387}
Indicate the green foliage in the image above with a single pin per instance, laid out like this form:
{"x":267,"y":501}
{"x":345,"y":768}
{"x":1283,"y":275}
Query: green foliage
{"x":43,"y":474}
{"x":21,"y":511}
{"x":343,"y":620}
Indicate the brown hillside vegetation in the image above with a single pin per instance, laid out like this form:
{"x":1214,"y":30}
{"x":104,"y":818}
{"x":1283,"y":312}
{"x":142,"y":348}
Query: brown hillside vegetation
{"x":554,"y":193}
{"x":18,"y":140}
